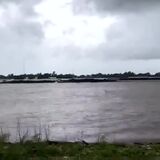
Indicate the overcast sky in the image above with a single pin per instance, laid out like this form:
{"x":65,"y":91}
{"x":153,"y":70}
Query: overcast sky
{"x":79,"y":36}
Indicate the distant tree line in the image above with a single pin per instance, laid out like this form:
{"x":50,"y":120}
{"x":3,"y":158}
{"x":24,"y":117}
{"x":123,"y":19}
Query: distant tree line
{"x":67,"y":76}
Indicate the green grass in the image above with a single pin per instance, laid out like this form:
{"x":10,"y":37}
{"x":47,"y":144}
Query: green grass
{"x":77,"y":151}
{"x":35,"y":148}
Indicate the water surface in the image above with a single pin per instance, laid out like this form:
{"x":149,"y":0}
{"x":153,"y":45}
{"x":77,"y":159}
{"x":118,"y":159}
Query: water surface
{"x":120,"y":111}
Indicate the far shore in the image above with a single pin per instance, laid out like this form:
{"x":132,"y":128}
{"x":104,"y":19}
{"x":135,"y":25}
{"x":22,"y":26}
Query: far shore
{"x":79,"y":80}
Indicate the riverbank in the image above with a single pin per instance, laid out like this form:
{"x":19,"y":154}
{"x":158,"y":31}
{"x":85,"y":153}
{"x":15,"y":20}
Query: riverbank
{"x":76,"y":80}
{"x":79,"y":80}
{"x":77,"y":151}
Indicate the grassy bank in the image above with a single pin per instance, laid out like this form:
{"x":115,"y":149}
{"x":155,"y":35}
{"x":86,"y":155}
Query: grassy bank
{"x":77,"y":151}
{"x":38,"y":146}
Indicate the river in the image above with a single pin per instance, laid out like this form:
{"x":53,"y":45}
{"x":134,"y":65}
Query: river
{"x":118,"y":111}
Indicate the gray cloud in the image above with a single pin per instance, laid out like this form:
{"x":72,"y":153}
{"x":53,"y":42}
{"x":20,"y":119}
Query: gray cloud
{"x":131,"y":43}
{"x":135,"y":36}
{"x":115,"y":6}
{"x":26,"y":7}
{"x":20,"y":34}
{"x":22,"y":24}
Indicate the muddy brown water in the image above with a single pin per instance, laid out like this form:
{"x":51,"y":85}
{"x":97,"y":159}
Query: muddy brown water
{"x":119,"y":111}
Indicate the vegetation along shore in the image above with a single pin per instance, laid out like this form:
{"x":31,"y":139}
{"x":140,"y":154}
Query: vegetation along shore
{"x":77,"y":151}
{"x":72,"y":78}
{"x":34,"y":148}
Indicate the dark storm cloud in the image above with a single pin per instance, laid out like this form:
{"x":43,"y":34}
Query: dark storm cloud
{"x":115,"y":6}
{"x":135,"y":36}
